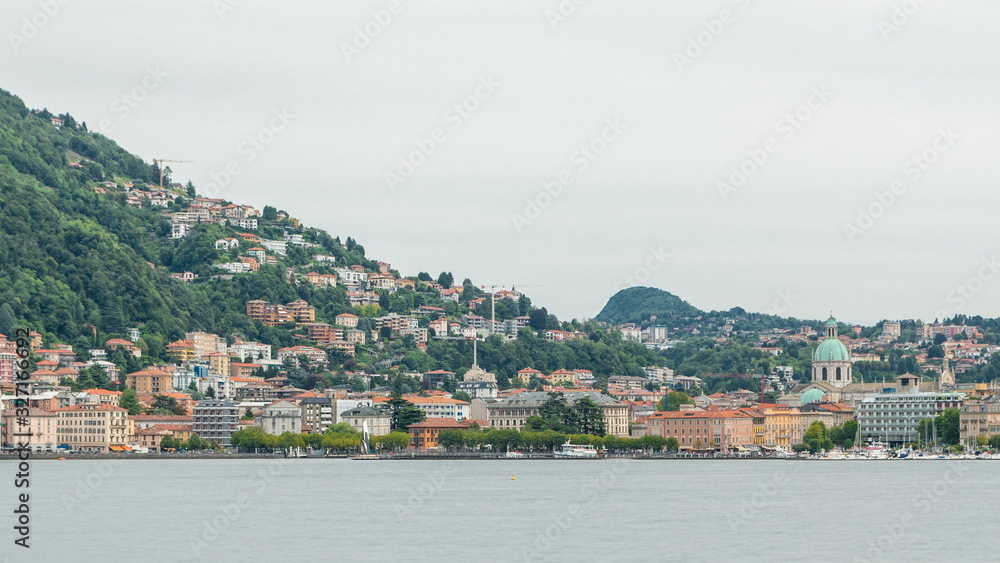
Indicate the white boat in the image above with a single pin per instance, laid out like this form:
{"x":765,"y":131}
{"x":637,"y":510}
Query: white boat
{"x":576,"y":451}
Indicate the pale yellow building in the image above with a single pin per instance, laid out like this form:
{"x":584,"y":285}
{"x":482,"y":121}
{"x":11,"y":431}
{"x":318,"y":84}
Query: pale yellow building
{"x":979,"y":417}
{"x":92,"y":428}
{"x":218,"y":364}
{"x":782,"y":426}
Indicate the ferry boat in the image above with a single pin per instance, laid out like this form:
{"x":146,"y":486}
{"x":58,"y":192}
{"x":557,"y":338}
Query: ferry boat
{"x":576,"y":451}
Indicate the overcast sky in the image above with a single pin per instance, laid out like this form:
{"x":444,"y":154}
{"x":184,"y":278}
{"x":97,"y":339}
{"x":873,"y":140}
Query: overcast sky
{"x":643,"y":109}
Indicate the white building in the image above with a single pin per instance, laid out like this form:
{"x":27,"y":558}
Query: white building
{"x":235,"y":267}
{"x":182,"y":378}
{"x":244,"y":223}
{"x":280,"y":417}
{"x":442,"y":407}
{"x":348,"y":404}
{"x":226,"y":244}
{"x":276,"y":246}
{"x":250,"y":350}
{"x":350,"y":277}
{"x":478,"y":389}
{"x":179,"y":230}
{"x":893,"y":417}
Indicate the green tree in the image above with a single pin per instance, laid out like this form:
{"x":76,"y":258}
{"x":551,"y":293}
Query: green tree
{"x":445,"y":279}
{"x":590,"y":416}
{"x":7,"y":320}
{"x":269,"y":213}
{"x":451,"y":439}
{"x":130,"y":402}
{"x":948,"y":426}
{"x":393,"y":441}
{"x":196,"y":443}
{"x":534,"y":423}
{"x":163,"y":404}
{"x":462,"y":396}
{"x":673,"y":400}
{"x":851,"y":432}
{"x":341,"y":429}
{"x":404,"y":413}
{"x":815,"y":432}
{"x":672,"y":445}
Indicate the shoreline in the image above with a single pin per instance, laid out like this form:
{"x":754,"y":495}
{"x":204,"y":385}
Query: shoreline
{"x":425,"y":457}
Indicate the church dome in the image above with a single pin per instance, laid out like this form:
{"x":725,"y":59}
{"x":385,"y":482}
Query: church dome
{"x":831,"y":350}
{"x":812,"y":396}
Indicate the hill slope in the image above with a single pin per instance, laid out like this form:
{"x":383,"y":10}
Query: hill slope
{"x":637,"y":304}
{"x":87,"y":254}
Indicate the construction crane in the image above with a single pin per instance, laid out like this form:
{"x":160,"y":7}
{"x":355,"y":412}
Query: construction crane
{"x":493,"y":302}
{"x":159,"y":164}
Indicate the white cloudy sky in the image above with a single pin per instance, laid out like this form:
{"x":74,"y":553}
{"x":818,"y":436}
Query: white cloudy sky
{"x":653,"y":190}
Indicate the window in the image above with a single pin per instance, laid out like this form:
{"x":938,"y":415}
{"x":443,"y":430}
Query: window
{"x":838,"y":374}
{"x":824,"y":374}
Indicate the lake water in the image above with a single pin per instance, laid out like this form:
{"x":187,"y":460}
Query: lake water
{"x":554,"y":510}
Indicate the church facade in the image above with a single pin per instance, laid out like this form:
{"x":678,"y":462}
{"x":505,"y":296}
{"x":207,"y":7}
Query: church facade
{"x":831,"y":361}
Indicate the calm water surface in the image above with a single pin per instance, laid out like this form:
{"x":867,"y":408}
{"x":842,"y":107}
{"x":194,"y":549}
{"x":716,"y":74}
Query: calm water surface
{"x":555,"y":510}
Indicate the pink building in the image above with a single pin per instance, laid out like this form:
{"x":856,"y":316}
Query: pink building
{"x":41,"y":426}
{"x":718,"y":430}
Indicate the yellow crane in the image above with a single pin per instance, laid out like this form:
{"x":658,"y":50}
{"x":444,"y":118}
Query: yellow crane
{"x":159,"y":164}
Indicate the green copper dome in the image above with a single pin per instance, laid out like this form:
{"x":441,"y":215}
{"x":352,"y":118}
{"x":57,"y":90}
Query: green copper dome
{"x":831,"y":350}
{"x":812,"y":396}
{"x":831,"y":322}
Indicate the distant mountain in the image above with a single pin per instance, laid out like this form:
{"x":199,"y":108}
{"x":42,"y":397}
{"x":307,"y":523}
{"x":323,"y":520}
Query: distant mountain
{"x":637,"y":304}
